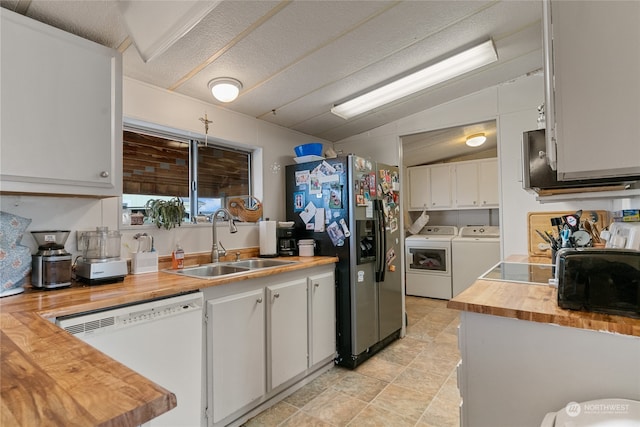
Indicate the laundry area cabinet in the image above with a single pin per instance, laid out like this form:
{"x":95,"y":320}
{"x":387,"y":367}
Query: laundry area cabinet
{"x":61,"y":111}
{"x":264,"y":337}
{"x":470,"y":184}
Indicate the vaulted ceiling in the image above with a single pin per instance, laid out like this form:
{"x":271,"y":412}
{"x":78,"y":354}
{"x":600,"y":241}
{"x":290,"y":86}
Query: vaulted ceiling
{"x":296,"y":59}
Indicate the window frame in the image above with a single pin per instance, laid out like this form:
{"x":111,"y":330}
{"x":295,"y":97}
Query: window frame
{"x":193,"y":139}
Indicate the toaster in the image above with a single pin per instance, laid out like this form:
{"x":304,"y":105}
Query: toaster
{"x":600,"y":280}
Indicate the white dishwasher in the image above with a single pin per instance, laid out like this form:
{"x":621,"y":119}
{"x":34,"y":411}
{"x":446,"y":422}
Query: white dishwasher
{"x":161,"y":340}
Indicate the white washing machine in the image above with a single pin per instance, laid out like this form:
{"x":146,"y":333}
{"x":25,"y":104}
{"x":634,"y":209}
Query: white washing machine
{"x":596,"y":413}
{"x":474,"y":251}
{"x":428,"y":262}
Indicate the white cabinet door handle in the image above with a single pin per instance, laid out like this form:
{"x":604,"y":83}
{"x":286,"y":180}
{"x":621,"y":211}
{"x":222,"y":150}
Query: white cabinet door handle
{"x":104,"y":174}
{"x":276,"y":295}
{"x":259,"y":300}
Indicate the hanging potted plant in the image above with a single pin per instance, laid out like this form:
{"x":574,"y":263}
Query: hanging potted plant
{"x":166,"y":213}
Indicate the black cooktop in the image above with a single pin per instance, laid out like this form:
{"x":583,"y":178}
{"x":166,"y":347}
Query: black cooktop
{"x":533,"y":274}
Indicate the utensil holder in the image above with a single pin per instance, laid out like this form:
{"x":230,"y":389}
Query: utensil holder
{"x":144,"y":262}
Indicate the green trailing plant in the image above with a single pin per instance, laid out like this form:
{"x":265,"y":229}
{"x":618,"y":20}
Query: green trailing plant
{"x":166,"y":213}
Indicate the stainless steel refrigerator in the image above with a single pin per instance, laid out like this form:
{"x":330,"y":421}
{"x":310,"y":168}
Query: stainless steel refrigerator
{"x":350,"y":207}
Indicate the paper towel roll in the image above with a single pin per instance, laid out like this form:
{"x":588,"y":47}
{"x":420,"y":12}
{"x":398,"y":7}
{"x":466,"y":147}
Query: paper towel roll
{"x":268,"y":238}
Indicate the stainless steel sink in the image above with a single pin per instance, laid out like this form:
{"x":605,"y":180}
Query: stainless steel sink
{"x":255,"y":263}
{"x":210,"y":271}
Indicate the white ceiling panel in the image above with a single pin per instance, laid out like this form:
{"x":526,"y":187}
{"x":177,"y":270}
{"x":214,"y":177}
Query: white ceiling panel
{"x":300,"y":57}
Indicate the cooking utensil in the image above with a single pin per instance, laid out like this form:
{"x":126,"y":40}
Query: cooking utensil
{"x":545,"y":238}
{"x":581,"y":238}
{"x":596,"y":233}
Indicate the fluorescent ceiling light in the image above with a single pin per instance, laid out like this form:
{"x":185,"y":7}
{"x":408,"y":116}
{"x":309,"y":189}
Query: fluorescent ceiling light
{"x":439,"y":72}
{"x":225,"y":89}
{"x":476,"y":140}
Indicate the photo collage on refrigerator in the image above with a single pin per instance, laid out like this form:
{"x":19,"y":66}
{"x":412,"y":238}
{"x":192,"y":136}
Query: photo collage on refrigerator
{"x":320,"y":200}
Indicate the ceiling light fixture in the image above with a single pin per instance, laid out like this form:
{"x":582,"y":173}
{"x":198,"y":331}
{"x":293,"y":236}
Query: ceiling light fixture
{"x":439,"y":72}
{"x":476,"y":140}
{"x":225,"y":89}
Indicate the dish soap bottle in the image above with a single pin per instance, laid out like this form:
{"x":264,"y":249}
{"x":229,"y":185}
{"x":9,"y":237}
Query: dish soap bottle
{"x":177,"y":258}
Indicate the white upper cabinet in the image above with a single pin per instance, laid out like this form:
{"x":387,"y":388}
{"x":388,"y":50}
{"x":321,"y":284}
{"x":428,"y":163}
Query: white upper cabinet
{"x":488,"y":184}
{"x":592,"y":69}
{"x":440,"y":187}
{"x":418,"y":187}
{"x":467,"y":185}
{"x":61,"y":111}
{"x":471,"y":184}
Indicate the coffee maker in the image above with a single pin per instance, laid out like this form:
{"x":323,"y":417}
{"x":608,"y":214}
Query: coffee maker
{"x":51,"y":265}
{"x":287,"y":245}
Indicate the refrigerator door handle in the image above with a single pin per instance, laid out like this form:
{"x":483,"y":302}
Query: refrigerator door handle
{"x":381,"y":242}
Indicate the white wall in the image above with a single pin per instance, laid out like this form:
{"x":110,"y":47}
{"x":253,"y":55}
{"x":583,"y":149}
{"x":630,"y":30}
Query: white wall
{"x":149,"y":104}
{"x":514,"y":106}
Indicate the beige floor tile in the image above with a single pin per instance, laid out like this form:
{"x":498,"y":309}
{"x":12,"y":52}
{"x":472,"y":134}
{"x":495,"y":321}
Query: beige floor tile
{"x":442,"y":315}
{"x":402,"y":351}
{"x":403,"y":401}
{"x":360,"y":386}
{"x":300,"y":419}
{"x":380,"y":368}
{"x":334,"y":407}
{"x":312,"y":390}
{"x":427,"y":383}
{"x":372,"y":416}
{"x":445,"y":350}
{"x":427,"y":362}
{"x":441,"y":413}
{"x":272,"y":416}
{"x":425,"y":330}
{"x":450,"y":340}
{"x":449,"y":389}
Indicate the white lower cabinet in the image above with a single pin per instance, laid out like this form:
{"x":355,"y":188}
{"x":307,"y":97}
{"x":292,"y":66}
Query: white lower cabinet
{"x":265,"y":336}
{"x":236,"y":327}
{"x":323,"y":313}
{"x":288,"y":331}
{"x":514,"y":372}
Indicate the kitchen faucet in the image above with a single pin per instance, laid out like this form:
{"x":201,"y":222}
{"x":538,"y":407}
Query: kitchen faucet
{"x":215,"y":252}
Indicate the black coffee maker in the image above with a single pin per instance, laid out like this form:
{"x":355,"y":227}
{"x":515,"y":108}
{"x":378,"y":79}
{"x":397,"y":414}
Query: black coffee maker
{"x":287,"y":245}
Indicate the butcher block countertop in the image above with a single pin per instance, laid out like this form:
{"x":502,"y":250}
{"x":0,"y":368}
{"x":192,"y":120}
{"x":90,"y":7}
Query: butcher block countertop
{"x":50,"y":377}
{"x":536,"y":303}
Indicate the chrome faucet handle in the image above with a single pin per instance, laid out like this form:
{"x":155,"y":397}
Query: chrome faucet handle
{"x":237,"y":256}
{"x":222,"y":251}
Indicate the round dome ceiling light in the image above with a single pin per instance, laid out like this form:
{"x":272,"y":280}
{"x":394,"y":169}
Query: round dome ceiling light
{"x":225,"y":89}
{"x":476,"y":140}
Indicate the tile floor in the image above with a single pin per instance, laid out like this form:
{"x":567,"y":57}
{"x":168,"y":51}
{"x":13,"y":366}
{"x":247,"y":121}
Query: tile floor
{"x":412,"y":382}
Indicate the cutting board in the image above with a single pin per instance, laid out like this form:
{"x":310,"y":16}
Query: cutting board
{"x":542,"y":221}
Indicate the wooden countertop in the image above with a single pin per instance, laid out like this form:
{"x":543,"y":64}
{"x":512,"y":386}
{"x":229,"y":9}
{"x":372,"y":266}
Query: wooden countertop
{"x":50,"y":377}
{"x":536,"y":303}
